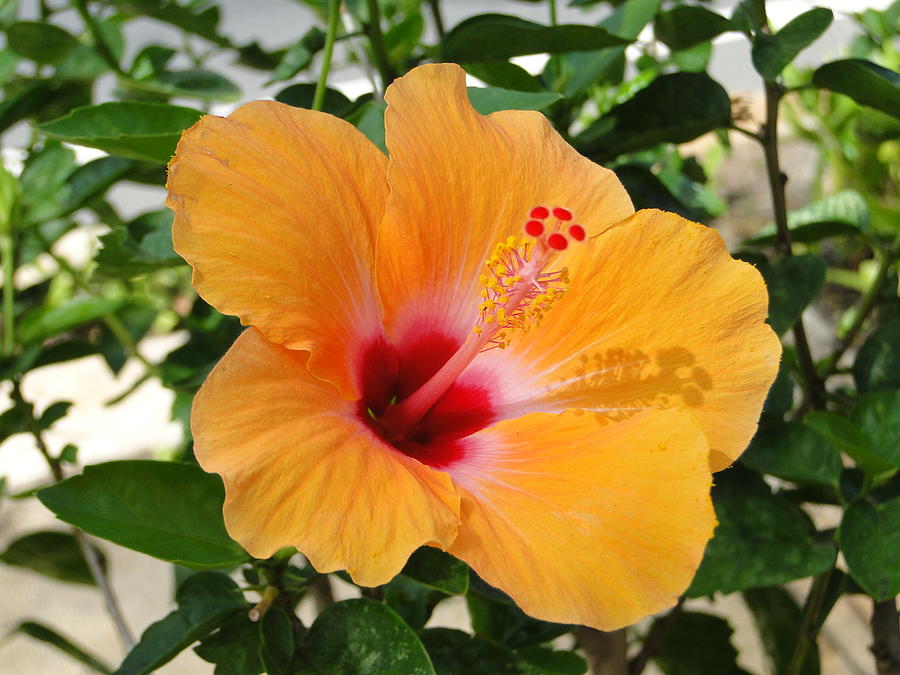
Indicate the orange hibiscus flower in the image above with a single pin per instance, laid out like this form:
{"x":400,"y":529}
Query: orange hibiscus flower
{"x":475,"y":344}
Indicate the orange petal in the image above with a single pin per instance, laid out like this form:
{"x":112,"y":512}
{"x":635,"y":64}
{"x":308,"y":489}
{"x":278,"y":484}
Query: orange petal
{"x":585,"y":522}
{"x":301,"y":469}
{"x":275,"y":209}
{"x":657,"y":314}
{"x":462,"y":182}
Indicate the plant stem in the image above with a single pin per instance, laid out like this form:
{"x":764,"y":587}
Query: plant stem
{"x":8,"y":261}
{"x":866,"y":305}
{"x":810,"y":623}
{"x":376,"y":40}
{"x":553,"y":20}
{"x":886,"y":634}
{"x":606,"y":652}
{"x":334,"y":14}
{"x":87,"y":551}
{"x":653,"y":639}
{"x":435,"y":6}
{"x":100,"y":44}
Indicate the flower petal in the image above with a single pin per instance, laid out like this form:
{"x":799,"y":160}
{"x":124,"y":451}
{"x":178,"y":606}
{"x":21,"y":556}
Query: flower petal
{"x":301,"y":469}
{"x":462,"y":182}
{"x":657,"y":314}
{"x":581,"y":521}
{"x":275,"y":209}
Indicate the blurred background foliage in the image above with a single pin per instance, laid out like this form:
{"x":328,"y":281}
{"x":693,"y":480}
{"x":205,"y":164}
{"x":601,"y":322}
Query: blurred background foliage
{"x":816,"y":496}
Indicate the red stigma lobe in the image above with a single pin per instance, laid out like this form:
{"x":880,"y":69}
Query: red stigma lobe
{"x":562,"y":214}
{"x":557,"y":242}
{"x":534,"y":227}
{"x":576,"y":232}
{"x":539,"y":212}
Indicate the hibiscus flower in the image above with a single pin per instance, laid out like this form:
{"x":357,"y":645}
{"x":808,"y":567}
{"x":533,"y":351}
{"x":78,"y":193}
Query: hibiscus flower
{"x":474,"y":344}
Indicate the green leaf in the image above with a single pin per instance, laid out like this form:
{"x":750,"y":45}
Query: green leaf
{"x":771,"y":53}
{"x":630,"y":18}
{"x":301,"y":96}
{"x":364,"y":636}
{"x":495,"y":617}
{"x":202,"y":20}
{"x":673,"y":109}
{"x":456,"y":653}
{"x":847,"y":436}
{"x":168,"y":510}
{"x":39,"y":631}
{"x":793,"y":283}
{"x":503,"y":74}
{"x":44,"y":179}
{"x":46,"y":322}
{"x":877,"y":415}
{"x":413,"y":601}
{"x":547,"y":661}
{"x":762,"y":539}
{"x":842,"y":213}
{"x":53,"y":554}
{"x":145,"y":131}
{"x":53,"y":413}
{"x":438,"y":570}
{"x":794,"y":452}
{"x":144,"y":246}
{"x":234,"y":648}
{"x":684,"y":26}
{"x":496,"y":37}
{"x":870,"y":540}
{"x":298,"y":56}
{"x":678,"y":652}
{"x":369,"y":119}
{"x":778,"y":620}
{"x":40,"y":99}
{"x":276,"y":641}
{"x":204,"y":85}
{"x":39,"y":41}
{"x":877,"y":364}
{"x":91,"y":180}
{"x":205,"y":601}
{"x":863,"y":81}
{"x":491,"y":99}
{"x":780,"y":398}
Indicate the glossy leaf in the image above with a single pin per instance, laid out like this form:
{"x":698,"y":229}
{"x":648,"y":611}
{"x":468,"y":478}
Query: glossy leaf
{"x":495,"y":617}
{"x":778,"y":620}
{"x":684,"y":26}
{"x":503,"y":74}
{"x":414,"y":602}
{"x":234,"y":648}
{"x":456,"y":653}
{"x":53,"y":554}
{"x":40,"y":42}
{"x":771,"y":53}
{"x":48,"y":322}
{"x":197,"y":83}
{"x":205,"y":601}
{"x":438,"y":570}
{"x":877,"y":415}
{"x":877,"y":364}
{"x":168,"y":510}
{"x":364,"y":636}
{"x":276,"y":641}
{"x":863,"y":81}
{"x":870,"y":541}
{"x":493,"y":37}
{"x":39,"y":631}
{"x":793,"y":283}
{"x":674,"y":108}
{"x":136,"y":130}
{"x":548,"y":661}
{"x":794,"y":452}
{"x":839,"y":214}
{"x":143,"y":246}
{"x":301,"y":96}
{"x":680,"y":653}
{"x":762,"y":539}
{"x":846,"y":435}
{"x":491,"y":99}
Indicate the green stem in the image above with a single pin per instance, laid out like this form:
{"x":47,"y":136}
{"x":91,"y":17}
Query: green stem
{"x":376,"y":40}
{"x":334,"y":14}
{"x":7,"y":259}
{"x":97,"y":36}
{"x":809,"y":625}
{"x":553,"y":21}
{"x":435,"y":6}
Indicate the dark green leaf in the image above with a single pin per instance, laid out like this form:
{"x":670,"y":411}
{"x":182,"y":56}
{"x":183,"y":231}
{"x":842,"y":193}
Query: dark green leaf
{"x":299,"y":55}
{"x":165,"y":509}
{"x":369,"y":119}
{"x":234,"y":648}
{"x":91,"y":180}
{"x":53,"y":554}
{"x":40,"y":42}
{"x":45,"y":322}
{"x":456,"y":653}
{"x":780,"y":398}
{"x":693,"y":59}
{"x":202,"y":20}
{"x":53,"y":413}
{"x":877,"y":364}
{"x":630,"y":18}
{"x":870,"y":540}
{"x":547,"y":661}
{"x":438,"y":570}
{"x":39,"y":631}
{"x":847,"y":436}
{"x":503,"y":74}
{"x":794,"y":452}
{"x":771,"y":53}
{"x":364,"y":636}
{"x":762,"y":539}
{"x":301,"y":96}
{"x":197,"y":83}
{"x":150,"y":61}
{"x":413,"y":601}
{"x":205,"y":601}
{"x":495,"y":617}
{"x":491,"y":99}
{"x":678,"y":652}
{"x":495,"y":37}
{"x":146,"y":131}
{"x":778,"y":620}
{"x":673,"y":108}
{"x":842,"y":213}
{"x":43,"y":181}
{"x":276,"y":641}
{"x":684,"y":26}
{"x":863,"y":81}
{"x":793,"y":283}
{"x":877,"y":415}
{"x":144,"y":246}
{"x":40,"y":99}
